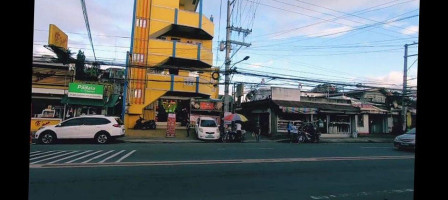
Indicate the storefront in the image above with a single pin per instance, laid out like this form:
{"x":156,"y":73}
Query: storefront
{"x":334,"y":118}
{"x":89,"y":99}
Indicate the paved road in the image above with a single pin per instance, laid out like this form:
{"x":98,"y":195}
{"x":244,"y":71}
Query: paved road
{"x":221,"y":171}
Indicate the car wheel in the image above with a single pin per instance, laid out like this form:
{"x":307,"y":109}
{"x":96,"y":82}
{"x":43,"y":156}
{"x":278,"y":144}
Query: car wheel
{"x":47,"y":137}
{"x":102,"y":137}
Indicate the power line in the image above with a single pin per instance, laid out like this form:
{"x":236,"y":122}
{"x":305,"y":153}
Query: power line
{"x":86,"y":19}
{"x":333,"y":19}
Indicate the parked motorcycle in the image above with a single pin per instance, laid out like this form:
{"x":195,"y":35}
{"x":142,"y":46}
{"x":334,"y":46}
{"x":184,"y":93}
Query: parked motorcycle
{"x":144,"y":125}
{"x":309,"y":133}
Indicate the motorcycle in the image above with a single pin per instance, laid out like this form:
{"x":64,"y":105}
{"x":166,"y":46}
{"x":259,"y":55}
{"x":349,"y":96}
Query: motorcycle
{"x":310,"y":134}
{"x":144,"y":125}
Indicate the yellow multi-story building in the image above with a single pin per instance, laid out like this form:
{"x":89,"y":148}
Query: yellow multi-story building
{"x":171,"y":57}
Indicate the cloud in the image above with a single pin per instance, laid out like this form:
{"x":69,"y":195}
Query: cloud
{"x":411,"y":30}
{"x":261,"y":64}
{"x":394,"y":79}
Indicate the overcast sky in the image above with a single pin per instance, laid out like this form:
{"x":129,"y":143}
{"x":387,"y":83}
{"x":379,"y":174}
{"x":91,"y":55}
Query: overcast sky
{"x":353,"y":41}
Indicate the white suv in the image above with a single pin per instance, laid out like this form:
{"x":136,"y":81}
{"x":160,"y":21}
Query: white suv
{"x":99,"y":127}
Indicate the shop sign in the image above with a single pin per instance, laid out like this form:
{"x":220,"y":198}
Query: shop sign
{"x":207,"y":105}
{"x":171,"y":125}
{"x":88,"y":91}
{"x":57,"y":37}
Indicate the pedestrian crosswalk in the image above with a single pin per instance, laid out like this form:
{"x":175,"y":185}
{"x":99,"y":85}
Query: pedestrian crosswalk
{"x":77,"y":156}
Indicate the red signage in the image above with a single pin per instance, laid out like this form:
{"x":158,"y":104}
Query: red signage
{"x":207,"y":105}
{"x":171,"y":125}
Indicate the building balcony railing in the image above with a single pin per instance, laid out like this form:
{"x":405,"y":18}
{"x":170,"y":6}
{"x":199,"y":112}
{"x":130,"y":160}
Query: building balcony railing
{"x":185,"y":84}
{"x":181,"y":23}
{"x":178,"y":54}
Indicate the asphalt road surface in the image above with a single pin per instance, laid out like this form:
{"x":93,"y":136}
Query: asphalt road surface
{"x":221,"y":171}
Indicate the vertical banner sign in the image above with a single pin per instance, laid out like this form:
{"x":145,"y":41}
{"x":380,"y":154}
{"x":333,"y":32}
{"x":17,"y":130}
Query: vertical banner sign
{"x":171,"y":125}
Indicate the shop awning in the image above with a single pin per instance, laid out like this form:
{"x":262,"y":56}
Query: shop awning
{"x":112,"y":100}
{"x":299,"y":110}
{"x":82,"y":101}
{"x":321,"y":107}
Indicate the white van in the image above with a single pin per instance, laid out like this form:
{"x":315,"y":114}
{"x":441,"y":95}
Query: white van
{"x":207,"y":129}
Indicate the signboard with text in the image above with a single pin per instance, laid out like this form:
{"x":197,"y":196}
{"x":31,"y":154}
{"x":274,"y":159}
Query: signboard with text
{"x":89,"y":91}
{"x":171,"y":125}
{"x":57,"y":37}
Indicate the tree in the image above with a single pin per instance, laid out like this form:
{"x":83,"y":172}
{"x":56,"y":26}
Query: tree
{"x":79,"y":66}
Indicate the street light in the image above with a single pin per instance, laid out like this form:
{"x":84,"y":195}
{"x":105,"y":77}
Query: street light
{"x":227,"y":80}
{"x":245,"y":58}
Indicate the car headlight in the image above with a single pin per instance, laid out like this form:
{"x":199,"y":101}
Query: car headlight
{"x":201,"y":130}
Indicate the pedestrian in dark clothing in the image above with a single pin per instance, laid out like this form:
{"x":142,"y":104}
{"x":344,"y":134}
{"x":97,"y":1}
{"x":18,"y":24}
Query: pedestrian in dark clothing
{"x":257,"y":132}
{"x":188,"y":127}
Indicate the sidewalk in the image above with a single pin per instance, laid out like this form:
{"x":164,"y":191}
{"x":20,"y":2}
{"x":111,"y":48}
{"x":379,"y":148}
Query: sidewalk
{"x":159,"y":136}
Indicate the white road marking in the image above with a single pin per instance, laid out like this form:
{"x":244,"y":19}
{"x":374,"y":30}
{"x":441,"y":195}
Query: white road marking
{"x":60,"y":155}
{"x":98,"y":156}
{"x":36,"y":154}
{"x":359,"y":194}
{"x":83,"y":156}
{"x":47,"y":155}
{"x":210,"y":162}
{"x":125,"y":156}
{"x":69,"y":157}
{"x":111,"y":156}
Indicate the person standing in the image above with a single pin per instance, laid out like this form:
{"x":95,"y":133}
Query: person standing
{"x":239,"y":133}
{"x":289,"y":127}
{"x":257,"y":132}
{"x":188,"y":127}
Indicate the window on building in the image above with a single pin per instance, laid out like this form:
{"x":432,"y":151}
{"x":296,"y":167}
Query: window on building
{"x":360,"y":120}
{"x":138,"y":93}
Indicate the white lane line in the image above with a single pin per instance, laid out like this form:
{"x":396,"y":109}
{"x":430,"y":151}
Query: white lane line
{"x":69,"y":157}
{"x":83,"y":156}
{"x":111,"y":156}
{"x":60,"y":155}
{"x":210,"y":162}
{"x":360,"y":194}
{"x":125,"y":156}
{"x":36,"y":154}
{"x":47,"y":155}
{"x":98,"y":156}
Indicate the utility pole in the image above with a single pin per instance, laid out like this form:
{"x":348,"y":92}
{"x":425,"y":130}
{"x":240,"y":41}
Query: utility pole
{"x":405,"y":81}
{"x":228,"y":60}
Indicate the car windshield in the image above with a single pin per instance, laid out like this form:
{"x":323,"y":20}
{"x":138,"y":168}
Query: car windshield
{"x":412,"y":131}
{"x":208,"y":123}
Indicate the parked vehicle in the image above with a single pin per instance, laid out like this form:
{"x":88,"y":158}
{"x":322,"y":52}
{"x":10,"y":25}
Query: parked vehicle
{"x":207,"y":129}
{"x":307,"y":132}
{"x":141,"y":124}
{"x":49,"y":116}
{"x":101,"y":128}
{"x":405,"y":141}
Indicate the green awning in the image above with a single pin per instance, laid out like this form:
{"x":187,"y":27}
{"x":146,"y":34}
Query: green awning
{"x":83,"y":101}
{"x":112,"y":100}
